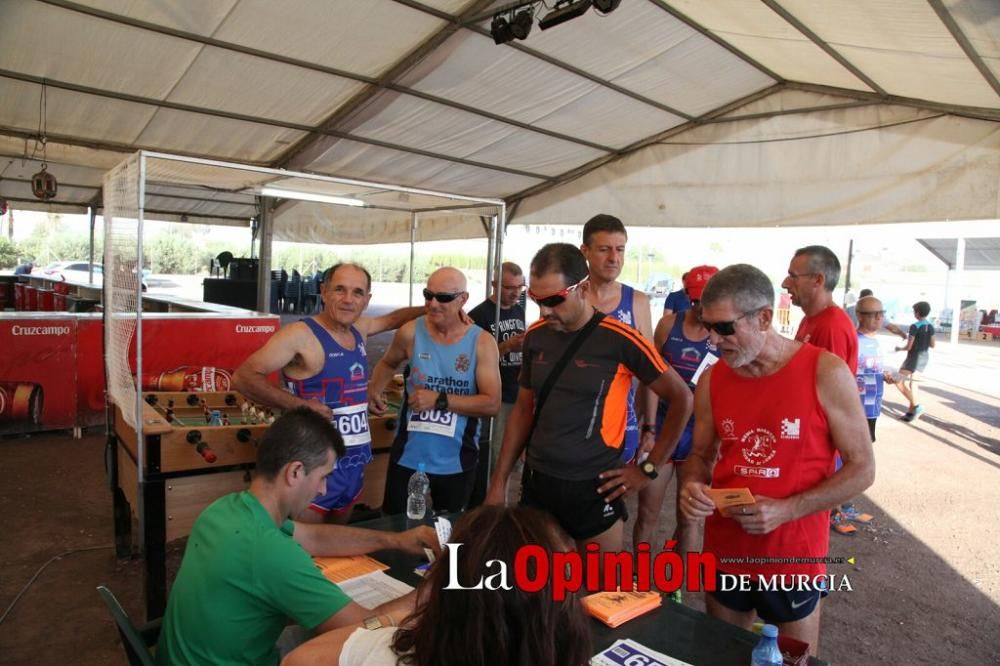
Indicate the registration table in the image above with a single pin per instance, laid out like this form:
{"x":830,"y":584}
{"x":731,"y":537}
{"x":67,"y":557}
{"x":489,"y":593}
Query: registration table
{"x":673,"y":629}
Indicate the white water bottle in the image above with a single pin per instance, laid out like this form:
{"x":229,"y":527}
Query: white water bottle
{"x":416,"y":500}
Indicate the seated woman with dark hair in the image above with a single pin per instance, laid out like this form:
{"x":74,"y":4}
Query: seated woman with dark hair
{"x":472,"y":627}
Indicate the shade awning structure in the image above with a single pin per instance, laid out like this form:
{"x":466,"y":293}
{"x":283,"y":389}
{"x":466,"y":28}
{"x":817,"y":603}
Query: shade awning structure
{"x":981,"y":254}
{"x":664,"y":112}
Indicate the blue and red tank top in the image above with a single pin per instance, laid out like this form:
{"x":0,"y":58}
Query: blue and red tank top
{"x":341,"y":385}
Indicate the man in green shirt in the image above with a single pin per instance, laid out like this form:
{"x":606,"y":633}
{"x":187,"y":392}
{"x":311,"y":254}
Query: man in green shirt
{"x":248,"y":569}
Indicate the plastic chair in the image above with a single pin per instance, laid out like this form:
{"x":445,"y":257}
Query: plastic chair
{"x":293,"y":293}
{"x":310,"y":295}
{"x":136,"y":640}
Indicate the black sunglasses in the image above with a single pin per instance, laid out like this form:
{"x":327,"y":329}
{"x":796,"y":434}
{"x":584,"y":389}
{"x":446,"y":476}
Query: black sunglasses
{"x":441,"y":296}
{"x":725,"y":328}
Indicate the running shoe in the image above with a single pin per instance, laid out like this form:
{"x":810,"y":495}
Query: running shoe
{"x":918,"y":410}
{"x":840,"y":524}
{"x":908,"y":416}
{"x":849,"y":512}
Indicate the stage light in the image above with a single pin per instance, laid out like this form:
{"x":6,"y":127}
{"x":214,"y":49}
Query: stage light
{"x":520,"y":26}
{"x":606,"y":6}
{"x":501,"y":30}
{"x":309,"y":196}
{"x":567,"y":10}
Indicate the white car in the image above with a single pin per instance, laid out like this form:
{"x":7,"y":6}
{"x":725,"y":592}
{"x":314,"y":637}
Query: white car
{"x":79,"y":272}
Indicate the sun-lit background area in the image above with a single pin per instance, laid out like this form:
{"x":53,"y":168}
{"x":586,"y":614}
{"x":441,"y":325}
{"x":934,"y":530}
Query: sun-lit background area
{"x":885,"y":258}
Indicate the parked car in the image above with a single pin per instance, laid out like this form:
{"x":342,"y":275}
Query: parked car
{"x":79,"y":271}
{"x":660,"y":287}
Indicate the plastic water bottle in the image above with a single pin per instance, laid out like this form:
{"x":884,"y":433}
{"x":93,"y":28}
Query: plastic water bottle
{"x":416,"y":501}
{"x":767,"y":653}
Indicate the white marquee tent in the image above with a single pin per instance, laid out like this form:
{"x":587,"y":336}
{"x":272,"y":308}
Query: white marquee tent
{"x":664,"y":112}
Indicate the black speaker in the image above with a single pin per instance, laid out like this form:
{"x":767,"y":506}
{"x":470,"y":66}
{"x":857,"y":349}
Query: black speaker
{"x":243,"y":268}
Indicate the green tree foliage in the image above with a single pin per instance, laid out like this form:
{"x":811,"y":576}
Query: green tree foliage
{"x":173,"y":253}
{"x":54,"y":240}
{"x":9,"y":253}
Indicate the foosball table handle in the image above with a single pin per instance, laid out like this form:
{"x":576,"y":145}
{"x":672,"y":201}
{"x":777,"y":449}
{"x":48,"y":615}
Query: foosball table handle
{"x":202,"y":447}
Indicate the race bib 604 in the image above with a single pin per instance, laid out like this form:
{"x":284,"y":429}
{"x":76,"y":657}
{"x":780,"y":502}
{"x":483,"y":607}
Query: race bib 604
{"x":351,"y":422}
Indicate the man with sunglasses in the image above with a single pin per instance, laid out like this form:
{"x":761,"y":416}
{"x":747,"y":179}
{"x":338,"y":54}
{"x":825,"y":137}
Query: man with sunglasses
{"x":452,"y":383}
{"x":769,"y":418}
{"x":324,"y":366}
{"x":511,"y":335}
{"x":573,"y":440}
{"x":604,"y":240}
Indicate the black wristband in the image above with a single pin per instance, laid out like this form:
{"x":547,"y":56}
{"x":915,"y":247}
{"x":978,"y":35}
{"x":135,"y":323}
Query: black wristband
{"x":648,"y":428}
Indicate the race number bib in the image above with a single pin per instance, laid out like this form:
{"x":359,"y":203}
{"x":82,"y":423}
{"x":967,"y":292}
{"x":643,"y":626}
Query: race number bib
{"x":434,"y":422}
{"x":351,"y":422}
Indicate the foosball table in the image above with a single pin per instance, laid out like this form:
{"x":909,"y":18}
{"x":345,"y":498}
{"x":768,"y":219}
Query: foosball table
{"x":195,"y":448}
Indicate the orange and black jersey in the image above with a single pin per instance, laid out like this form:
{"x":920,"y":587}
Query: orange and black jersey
{"x":582,"y":424}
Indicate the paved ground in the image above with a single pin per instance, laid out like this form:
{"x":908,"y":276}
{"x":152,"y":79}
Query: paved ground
{"x":926,"y":584}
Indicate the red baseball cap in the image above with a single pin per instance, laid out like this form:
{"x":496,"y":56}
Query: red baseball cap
{"x":696,"y":279}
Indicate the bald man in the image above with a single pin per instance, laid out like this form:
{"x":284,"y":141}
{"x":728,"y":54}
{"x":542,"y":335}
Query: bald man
{"x":452,"y":382}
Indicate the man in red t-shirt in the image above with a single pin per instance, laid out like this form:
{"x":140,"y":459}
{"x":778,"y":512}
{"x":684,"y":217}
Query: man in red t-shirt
{"x":770,"y":418}
{"x":812,"y":276}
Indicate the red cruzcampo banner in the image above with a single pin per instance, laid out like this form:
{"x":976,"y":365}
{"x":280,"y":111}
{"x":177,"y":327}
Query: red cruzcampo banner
{"x":37,"y":373}
{"x":195,"y":353}
{"x":52,"y":367}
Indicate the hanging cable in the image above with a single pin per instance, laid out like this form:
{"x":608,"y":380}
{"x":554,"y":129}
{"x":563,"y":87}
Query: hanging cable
{"x":39,"y":573}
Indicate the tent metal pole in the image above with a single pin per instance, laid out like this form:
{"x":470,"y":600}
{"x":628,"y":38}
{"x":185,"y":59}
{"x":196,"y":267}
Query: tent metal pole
{"x":92,"y":212}
{"x":413,"y":243}
{"x":264,"y":233}
{"x":497,"y":229}
{"x":956,"y":298}
{"x":491,"y":248}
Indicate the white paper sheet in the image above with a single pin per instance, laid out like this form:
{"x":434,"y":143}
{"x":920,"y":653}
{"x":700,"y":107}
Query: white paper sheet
{"x":374,"y":589}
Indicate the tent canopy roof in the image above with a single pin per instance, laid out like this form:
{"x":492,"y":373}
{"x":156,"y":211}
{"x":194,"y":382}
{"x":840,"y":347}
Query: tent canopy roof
{"x":981,"y":254}
{"x":415,"y":92}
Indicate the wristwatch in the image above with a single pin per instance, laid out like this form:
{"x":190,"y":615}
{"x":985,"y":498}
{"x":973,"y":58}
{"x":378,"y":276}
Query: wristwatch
{"x":441,"y":403}
{"x":648,"y":428}
{"x":372,"y":623}
{"x":649,"y":469}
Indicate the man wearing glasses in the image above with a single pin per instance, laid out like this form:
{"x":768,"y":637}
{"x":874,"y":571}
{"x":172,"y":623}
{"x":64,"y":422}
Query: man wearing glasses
{"x":812,"y":277}
{"x":769,"y":418}
{"x":325,"y":367}
{"x":573,"y":440}
{"x":510,"y":337}
{"x":452,"y":382}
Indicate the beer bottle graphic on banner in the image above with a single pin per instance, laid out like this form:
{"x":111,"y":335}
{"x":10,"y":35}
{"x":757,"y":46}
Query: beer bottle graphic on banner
{"x":21,"y":402}
{"x":189,"y":378}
